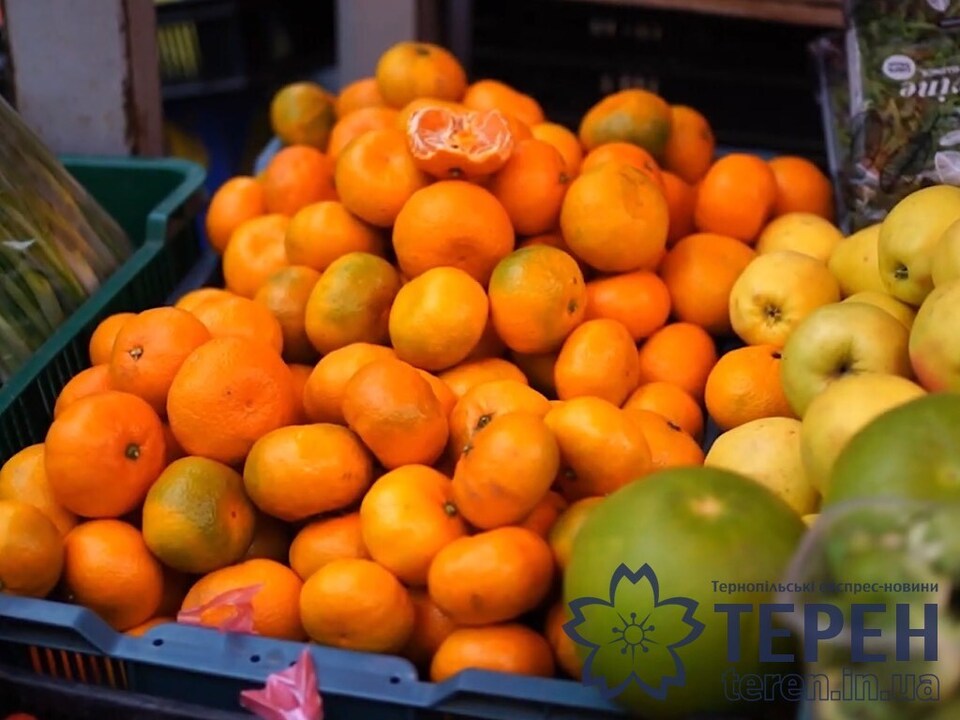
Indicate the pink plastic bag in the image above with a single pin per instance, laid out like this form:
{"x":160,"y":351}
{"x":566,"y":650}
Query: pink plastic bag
{"x":290,"y":694}
{"x":231,"y":611}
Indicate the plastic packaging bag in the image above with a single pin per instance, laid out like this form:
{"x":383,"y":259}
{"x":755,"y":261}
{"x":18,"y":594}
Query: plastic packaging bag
{"x":903,"y":59}
{"x":288,"y":695}
{"x":231,"y":611}
{"x":56,"y":243}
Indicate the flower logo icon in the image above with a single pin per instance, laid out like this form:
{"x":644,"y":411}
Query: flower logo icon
{"x":634,"y":635}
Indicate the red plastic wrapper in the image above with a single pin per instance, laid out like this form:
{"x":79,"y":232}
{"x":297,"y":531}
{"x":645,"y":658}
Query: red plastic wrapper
{"x":290,"y":694}
{"x":231,"y":611}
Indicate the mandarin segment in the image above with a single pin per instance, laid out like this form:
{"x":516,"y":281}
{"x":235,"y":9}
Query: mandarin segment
{"x":454,"y":145}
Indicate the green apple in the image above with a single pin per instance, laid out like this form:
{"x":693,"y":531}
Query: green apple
{"x":839,"y":412}
{"x":900,"y":310}
{"x":910,"y":452}
{"x":838,"y":340}
{"x":934,"y":340}
{"x":854,"y":264}
{"x":908,"y":236}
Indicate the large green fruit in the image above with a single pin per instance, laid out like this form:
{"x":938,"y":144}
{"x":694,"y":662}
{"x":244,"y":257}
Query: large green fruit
{"x":910,"y":452}
{"x":653,"y":555}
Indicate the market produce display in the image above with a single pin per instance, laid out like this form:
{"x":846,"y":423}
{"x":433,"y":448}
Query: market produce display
{"x":448,"y":330}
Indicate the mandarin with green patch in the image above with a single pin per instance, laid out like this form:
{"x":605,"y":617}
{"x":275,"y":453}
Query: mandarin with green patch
{"x":537,"y":297}
{"x":351,"y":302}
{"x":197,"y":517}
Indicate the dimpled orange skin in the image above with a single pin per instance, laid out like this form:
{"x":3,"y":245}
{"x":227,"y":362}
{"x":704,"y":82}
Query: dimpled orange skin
{"x":602,"y":447}
{"x":487,"y":496}
{"x":510,"y":648}
{"x":127,"y":448}
{"x":406,"y":518}
{"x":599,"y":358}
{"x":491,"y":577}
{"x":604,"y":207}
{"x":396,"y":414}
{"x":227,"y":394}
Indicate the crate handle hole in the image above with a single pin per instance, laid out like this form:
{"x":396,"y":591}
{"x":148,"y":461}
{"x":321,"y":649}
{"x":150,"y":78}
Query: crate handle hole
{"x":254,"y":658}
{"x":158,"y":642}
{"x":394,"y":680}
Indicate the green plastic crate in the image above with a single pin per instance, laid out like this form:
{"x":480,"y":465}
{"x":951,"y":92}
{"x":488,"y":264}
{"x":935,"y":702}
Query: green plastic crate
{"x":157,"y":203}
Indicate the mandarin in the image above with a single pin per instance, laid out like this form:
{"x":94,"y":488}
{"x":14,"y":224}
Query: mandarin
{"x":396,"y":414}
{"x":493,"y":576}
{"x":599,"y":358}
{"x":31,"y":550}
{"x":531,"y":186}
{"x":485,"y":495}
{"x":228,"y":394}
{"x":295,"y":472}
{"x":357,"y":604}
{"x":109,"y":569}
{"x":297,"y":176}
{"x":87,"y":382}
{"x":325,"y":540}
{"x":376,"y":176}
{"x":699,"y":272}
{"x":351,"y":302}
{"x":285,"y":294}
{"x":111,"y":435}
{"x":680,"y":353}
{"x":101,"y":342}
{"x":149,"y":350}
{"x":256,"y":250}
{"x":448,"y":301}
{"x":640,"y":301}
{"x":407,"y":517}
{"x":322,"y":232}
{"x":323,"y":394}
{"x":452,"y":223}
{"x":235,"y":202}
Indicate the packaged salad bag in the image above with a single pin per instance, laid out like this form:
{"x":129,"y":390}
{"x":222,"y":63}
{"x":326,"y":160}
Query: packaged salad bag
{"x":903,"y":60}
